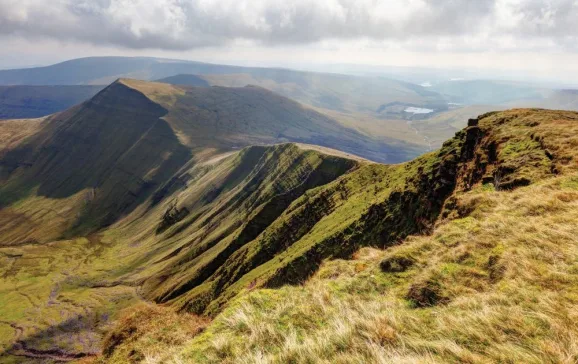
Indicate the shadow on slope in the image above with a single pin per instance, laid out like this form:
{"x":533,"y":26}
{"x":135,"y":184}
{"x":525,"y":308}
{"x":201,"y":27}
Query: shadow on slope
{"x":251,"y":115}
{"x":34,"y":348}
{"x":115,"y":148}
{"x":375,"y":205}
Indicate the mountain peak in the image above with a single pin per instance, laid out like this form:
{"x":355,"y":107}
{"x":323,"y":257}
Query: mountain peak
{"x":233,"y":117}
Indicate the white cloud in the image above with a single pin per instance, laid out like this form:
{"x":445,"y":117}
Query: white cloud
{"x":187,"y":24}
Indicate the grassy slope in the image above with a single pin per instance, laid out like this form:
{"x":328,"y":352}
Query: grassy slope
{"x":13,"y":132}
{"x":152,"y":137}
{"x":87,"y":166}
{"x":481,"y":287}
{"x":58,"y":297}
{"x":57,"y":192}
{"x":231,"y":116}
{"x":259,"y":218}
{"x":504,"y":281}
{"x":226,"y":206}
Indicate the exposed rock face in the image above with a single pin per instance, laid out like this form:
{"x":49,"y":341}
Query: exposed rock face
{"x":473,"y":122}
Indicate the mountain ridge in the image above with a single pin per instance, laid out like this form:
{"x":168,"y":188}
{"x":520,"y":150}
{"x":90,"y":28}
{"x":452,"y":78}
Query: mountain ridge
{"x":444,"y":193}
{"x":148,"y":215}
{"x":109,"y":154}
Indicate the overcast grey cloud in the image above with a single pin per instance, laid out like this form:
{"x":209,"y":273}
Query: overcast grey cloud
{"x":188,"y":24}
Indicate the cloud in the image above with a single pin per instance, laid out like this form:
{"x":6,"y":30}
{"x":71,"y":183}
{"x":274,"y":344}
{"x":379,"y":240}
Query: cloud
{"x":187,"y":24}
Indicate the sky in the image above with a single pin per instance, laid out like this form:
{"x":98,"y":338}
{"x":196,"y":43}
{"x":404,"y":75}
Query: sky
{"x":537,"y":37}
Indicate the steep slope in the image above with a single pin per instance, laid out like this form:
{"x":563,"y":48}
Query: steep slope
{"x":217,"y":225}
{"x":495,"y":285}
{"x":494,"y":282}
{"x":98,"y":161}
{"x":14,"y":131}
{"x":376,"y":205}
{"x":222,"y":213}
{"x":57,"y":297}
{"x":240,"y":116}
{"x":18,"y":102}
{"x":459,"y":194}
{"x":87,"y":166}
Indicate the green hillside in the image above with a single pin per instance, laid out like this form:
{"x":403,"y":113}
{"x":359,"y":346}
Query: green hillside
{"x":133,"y":231}
{"x":59,"y":296}
{"x":107,"y":156}
{"x":96,"y":161}
{"x":482,"y":270}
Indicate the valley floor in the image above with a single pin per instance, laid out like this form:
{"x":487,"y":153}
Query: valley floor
{"x":57,"y":299}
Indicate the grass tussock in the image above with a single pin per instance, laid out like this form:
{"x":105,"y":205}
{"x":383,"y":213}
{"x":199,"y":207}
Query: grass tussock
{"x":146,"y":333}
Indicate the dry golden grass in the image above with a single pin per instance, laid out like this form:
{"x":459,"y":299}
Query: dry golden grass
{"x":161,"y":93}
{"x":147,"y":333}
{"x":504,"y":282}
{"x":13,"y":132}
{"x":496,"y":281}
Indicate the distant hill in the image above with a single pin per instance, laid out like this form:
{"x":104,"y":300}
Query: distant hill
{"x":95,"y":70}
{"x":327,"y":90}
{"x":561,"y":100}
{"x":17,"y":102}
{"x":488,"y":92}
{"x":442,"y":126}
{"x":240,"y":116}
{"x":333,"y":91}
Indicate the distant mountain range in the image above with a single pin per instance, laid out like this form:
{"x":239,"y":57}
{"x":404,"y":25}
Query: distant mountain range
{"x":370,"y":104}
{"x":331,"y":91}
